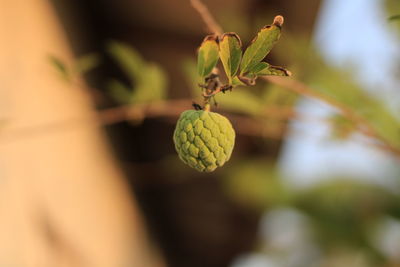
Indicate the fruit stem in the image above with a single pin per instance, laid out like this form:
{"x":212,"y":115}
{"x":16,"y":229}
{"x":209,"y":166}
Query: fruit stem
{"x":207,"y":107}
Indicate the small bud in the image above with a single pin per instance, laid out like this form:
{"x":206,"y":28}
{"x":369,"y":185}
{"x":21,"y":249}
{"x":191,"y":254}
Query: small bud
{"x":278,"y":21}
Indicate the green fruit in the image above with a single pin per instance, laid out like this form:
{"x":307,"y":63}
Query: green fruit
{"x":204,"y":140}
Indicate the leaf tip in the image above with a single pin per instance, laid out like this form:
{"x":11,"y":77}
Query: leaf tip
{"x":278,"y":21}
{"x":232,"y":34}
{"x":211,"y":37}
{"x":283,"y":70}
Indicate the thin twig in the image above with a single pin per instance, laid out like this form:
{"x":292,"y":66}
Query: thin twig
{"x":277,"y":116}
{"x":362,"y":125}
{"x":169,"y":109}
{"x":300,"y":88}
{"x":209,"y":20}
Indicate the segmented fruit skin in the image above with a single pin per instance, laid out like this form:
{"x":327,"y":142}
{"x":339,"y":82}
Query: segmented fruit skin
{"x":204,"y":140}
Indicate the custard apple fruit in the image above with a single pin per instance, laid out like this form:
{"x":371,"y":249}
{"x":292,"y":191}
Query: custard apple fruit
{"x":204,"y":140}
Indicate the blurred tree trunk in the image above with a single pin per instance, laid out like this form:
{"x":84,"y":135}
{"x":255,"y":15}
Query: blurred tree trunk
{"x":63,"y":202}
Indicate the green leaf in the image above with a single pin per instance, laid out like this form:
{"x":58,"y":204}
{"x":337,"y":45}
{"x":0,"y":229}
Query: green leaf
{"x":148,"y":79}
{"x":260,"y":66}
{"x":151,"y":86}
{"x":60,"y":67}
{"x":86,"y":63}
{"x":264,"y":68}
{"x":260,"y":47}
{"x":230,"y":52}
{"x":236,"y":81}
{"x":273,"y":95}
{"x":207,"y":56}
{"x":189,"y":69}
{"x":129,"y":59}
{"x":121,"y":93}
{"x":394,"y":17}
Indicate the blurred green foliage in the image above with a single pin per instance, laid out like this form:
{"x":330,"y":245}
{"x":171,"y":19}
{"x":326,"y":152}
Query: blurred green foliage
{"x":342,"y":213}
{"x":71,"y":72}
{"x":340,"y":85}
{"x":148,"y":81}
{"x":393,"y":9}
{"x":86,"y":63}
{"x":342,"y":127}
{"x":241,"y":101}
{"x":255,"y":184}
{"x":394,"y":17}
{"x":60,"y":67}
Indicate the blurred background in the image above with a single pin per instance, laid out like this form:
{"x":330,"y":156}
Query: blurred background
{"x":89,"y":95}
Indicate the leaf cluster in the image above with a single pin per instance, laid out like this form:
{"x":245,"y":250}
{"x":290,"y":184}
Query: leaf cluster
{"x":147,"y":80}
{"x":241,"y":68}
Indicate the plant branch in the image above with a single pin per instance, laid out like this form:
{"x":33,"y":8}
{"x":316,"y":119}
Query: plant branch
{"x":362,"y":125}
{"x":244,"y":125}
{"x":170,"y":109}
